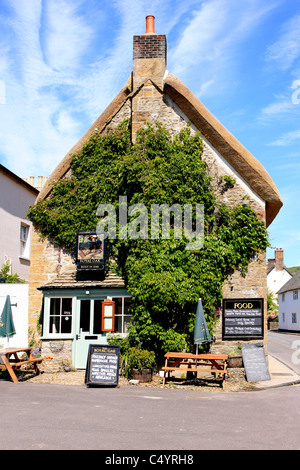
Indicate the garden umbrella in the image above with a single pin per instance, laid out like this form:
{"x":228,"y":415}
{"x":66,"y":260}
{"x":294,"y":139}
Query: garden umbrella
{"x":201,"y":332}
{"x":7,"y":327}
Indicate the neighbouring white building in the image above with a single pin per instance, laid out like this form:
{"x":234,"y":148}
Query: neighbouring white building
{"x":289,"y":304}
{"x":16,"y":195}
{"x":277,"y":273}
{"x":18,"y":294}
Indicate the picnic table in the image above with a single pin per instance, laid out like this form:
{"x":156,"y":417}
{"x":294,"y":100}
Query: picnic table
{"x":12,"y":358}
{"x":214,"y":364}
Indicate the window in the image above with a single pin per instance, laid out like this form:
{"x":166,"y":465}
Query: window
{"x":122,"y":317}
{"x":294,"y":317}
{"x":60,"y":315}
{"x":283,"y":297}
{"x":283,"y":317}
{"x":24,"y":240}
{"x":295,"y":295}
{"x":108,"y":315}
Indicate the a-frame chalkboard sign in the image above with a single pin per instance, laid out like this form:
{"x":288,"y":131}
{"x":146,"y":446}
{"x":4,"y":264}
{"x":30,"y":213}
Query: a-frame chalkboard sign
{"x":102,"y":367}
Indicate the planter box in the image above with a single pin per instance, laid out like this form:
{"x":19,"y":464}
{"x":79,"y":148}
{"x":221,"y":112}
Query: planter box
{"x":235,"y":361}
{"x":144,"y":375}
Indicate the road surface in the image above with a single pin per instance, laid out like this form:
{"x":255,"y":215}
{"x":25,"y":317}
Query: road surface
{"x":286,"y":348}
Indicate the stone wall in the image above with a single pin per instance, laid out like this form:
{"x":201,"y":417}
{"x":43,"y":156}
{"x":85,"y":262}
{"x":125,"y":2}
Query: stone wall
{"x":57,"y":354}
{"x":48,"y":261}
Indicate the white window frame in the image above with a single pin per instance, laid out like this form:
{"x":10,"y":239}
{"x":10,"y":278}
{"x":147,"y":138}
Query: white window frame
{"x":46,"y":325}
{"x":295,"y":295}
{"x":294,"y":318}
{"x":122,"y":315}
{"x":25,"y":235}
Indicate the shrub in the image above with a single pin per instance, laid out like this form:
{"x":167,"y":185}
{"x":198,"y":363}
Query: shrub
{"x":136,"y":358}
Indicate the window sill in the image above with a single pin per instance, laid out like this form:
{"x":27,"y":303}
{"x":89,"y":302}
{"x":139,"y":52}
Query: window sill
{"x":57,"y":336}
{"x":24,"y":258}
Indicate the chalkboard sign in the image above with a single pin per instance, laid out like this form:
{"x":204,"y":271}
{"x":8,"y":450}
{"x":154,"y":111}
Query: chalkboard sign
{"x":255,"y":364}
{"x":243,"y":319}
{"x":102,"y":365}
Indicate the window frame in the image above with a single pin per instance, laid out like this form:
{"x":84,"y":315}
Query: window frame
{"x":24,"y":242}
{"x":108,"y":303}
{"x":122,"y":315}
{"x":295,"y":295}
{"x":47,"y":317}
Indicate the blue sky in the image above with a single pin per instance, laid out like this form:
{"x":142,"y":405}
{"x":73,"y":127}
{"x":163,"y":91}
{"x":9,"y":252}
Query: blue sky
{"x":63,"y":61}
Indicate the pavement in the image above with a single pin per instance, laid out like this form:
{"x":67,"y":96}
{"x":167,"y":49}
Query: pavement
{"x":281,"y":375}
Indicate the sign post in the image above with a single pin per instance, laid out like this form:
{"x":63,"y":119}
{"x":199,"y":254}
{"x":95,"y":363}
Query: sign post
{"x":243,"y":319}
{"x":102,"y":367}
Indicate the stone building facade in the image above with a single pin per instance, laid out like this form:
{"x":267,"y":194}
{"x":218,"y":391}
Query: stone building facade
{"x":151,"y":94}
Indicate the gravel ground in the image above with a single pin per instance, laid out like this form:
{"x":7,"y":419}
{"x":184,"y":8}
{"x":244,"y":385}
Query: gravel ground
{"x":235,"y":381}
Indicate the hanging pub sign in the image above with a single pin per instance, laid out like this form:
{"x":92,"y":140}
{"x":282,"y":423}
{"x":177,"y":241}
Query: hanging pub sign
{"x":90,"y":251}
{"x":243,"y":319}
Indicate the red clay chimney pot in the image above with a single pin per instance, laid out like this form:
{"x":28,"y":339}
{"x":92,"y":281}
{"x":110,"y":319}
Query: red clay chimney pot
{"x":150,"y":27}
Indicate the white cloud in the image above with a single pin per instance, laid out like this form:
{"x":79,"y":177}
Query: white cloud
{"x":212,"y":39}
{"x":60,"y":73}
{"x":286,"y":139}
{"x":67,"y":34}
{"x":276,"y":109}
{"x":286,"y":50}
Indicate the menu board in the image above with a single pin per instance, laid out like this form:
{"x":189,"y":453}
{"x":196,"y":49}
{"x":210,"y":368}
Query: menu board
{"x":243,"y":318}
{"x":255,"y":363}
{"x":102,"y":365}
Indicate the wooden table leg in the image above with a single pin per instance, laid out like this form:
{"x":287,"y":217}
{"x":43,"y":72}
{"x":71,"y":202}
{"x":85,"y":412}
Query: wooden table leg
{"x":37,"y":370}
{"x":9,"y":369}
{"x":165,"y":372}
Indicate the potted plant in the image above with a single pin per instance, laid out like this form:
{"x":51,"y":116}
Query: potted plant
{"x":235,"y":358}
{"x":139,"y":364}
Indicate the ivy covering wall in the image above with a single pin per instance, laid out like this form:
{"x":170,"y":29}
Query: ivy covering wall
{"x":163,"y":277}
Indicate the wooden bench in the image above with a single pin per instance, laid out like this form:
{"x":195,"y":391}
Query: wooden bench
{"x":214,"y":364}
{"x":10,"y":360}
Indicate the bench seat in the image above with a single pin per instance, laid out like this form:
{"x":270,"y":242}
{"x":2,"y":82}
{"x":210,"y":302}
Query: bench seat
{"x":194,"y":369}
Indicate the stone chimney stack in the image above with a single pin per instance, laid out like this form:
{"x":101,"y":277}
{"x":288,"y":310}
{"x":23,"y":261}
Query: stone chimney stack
{"x":149,"y":67}
{"x":279,"y":259}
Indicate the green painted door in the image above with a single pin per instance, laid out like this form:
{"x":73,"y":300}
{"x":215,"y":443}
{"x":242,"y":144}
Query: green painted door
{"x":88,"y":329}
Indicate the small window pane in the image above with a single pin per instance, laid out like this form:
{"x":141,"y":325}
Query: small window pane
{"x":66,"y":324}
{"x":54,"y":325}
{"x":97,"y":317}
{"x":118,"y":324}
{"x":85,"y":311}
{"x":108,"y":310}
{"x":108,"y":322}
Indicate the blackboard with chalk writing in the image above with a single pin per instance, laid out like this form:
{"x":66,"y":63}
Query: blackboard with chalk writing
{"x":102,"y":367}
{"x":255,"y":363}
{"x":243,"y":319}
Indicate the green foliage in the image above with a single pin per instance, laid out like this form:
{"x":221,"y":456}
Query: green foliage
{"x":164,"y":279}
{"x":10,"y":278}
{"x":136,"y":358}
{"x":272,"y":306}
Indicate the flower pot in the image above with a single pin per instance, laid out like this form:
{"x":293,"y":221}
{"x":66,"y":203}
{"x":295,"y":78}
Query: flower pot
{"x":235,"y":361}
{"x":144,"y":375}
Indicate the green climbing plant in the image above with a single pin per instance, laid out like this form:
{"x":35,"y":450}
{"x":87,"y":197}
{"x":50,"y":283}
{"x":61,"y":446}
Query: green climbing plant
{"x":163,"y":277}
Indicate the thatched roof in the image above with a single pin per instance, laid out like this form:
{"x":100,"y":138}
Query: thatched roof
{"x":246,"y":165}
